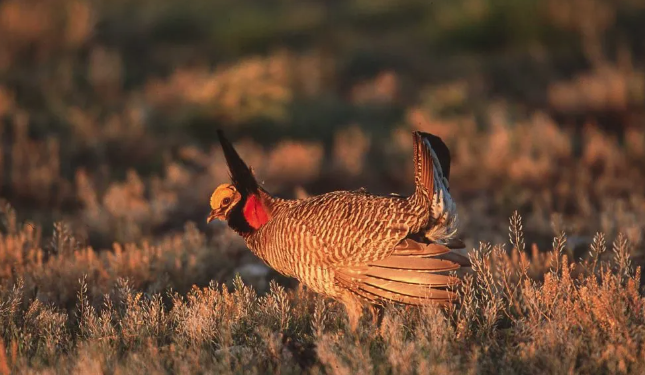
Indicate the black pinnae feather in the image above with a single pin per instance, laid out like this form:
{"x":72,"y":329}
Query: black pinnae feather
{"x":241,"y":174}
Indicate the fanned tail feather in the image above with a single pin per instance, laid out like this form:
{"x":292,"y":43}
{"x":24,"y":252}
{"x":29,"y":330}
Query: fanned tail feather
{"x":416,"y":274}
{"x":408,"y":294}
{"x":402,"y":286}
{"x":416,"y":264}
{"x":414,"y":248}
{"x":412,"y":277}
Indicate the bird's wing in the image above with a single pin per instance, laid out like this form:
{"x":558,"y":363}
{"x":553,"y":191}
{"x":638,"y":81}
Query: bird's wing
{"x":374,"y":259}
{"x":415,"y":273}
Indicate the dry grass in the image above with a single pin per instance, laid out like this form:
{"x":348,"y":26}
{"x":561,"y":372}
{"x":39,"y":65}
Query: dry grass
{"x":519,"y":313}
{"x":107,"y":160}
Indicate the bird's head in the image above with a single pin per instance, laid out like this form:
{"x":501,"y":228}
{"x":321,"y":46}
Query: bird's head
{"x":223,"y":201}
{"x":240,"y":202}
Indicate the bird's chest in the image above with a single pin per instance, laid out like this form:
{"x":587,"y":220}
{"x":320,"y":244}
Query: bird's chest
{"x":279,"y":251}
{"x":294,"y":256}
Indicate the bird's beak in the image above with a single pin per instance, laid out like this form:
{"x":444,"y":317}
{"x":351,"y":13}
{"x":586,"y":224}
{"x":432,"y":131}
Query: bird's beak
{"x":215,"y":214}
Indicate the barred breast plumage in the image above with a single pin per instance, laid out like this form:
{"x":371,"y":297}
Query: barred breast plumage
{"x":352,"y":245}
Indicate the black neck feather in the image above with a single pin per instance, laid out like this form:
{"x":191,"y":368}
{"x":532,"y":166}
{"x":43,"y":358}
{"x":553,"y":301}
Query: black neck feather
{"x":237,"y":221}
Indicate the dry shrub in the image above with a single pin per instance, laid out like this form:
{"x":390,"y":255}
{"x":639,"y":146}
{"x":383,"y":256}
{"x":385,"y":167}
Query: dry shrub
{"x":51,"y":271}
{"x":6,"y":101}
{"x":605,"y":89}
{"x":35,"y":164}
{"x":635,"y":143}
{"x":37,"y":24}
{"x":105,"y":71}
{"x":383,"y":89}
{"x":350,"y":150}
{"x":103,"y":134}
{"x":254,"y":87}
{"x":519,"y":312}
{"x":294,"y":162}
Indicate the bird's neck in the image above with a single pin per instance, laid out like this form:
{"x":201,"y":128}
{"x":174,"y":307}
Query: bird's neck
{"x":254,"y":212}
{"x":249,"y":217}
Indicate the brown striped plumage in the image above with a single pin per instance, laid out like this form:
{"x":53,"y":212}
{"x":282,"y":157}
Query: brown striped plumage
{"x":352,"y":245}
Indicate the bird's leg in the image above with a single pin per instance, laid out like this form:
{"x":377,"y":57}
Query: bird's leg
{"x":354,"y":310}
{"x":378,"y":313}
{"x":374,"y":314}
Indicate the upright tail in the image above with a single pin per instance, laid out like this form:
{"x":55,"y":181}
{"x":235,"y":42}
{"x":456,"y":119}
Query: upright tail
{"x":431,"y":160}
{"x":432,"y":171}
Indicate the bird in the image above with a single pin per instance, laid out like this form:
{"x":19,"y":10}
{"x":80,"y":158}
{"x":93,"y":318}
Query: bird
{"x":361,"y":249}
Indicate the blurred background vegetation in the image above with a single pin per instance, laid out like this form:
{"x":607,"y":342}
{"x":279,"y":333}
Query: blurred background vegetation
{"x":108,"y":110}
{"x":108,"y":156}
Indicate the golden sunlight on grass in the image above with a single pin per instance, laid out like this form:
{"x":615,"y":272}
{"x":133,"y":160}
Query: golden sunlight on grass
{"x":108,"y":156}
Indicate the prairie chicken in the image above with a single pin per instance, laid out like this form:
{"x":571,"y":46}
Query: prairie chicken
{"x":353,"y":246}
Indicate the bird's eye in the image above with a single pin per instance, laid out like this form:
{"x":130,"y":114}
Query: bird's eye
{"x":226,"y":201}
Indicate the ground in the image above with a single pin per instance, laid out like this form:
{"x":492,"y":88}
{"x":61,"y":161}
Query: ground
{"x":108,"y":112}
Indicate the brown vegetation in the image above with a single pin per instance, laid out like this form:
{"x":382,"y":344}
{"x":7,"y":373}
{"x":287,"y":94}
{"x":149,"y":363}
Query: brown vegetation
{"x":528,"y":312}
{"x":108,"y":113}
